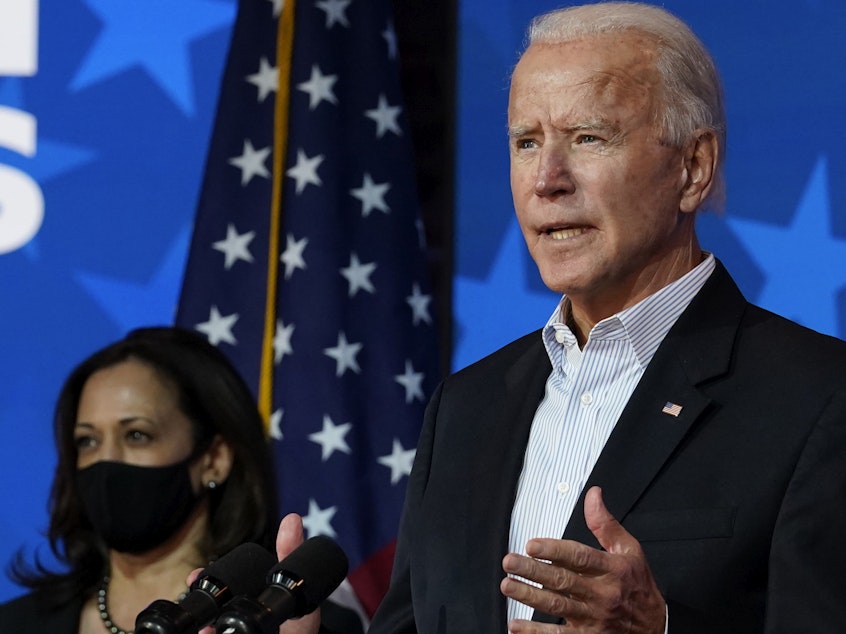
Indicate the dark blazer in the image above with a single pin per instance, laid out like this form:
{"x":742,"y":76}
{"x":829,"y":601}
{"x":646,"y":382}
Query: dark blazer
{"x":739,"y":501}
{"x":25,"y":615}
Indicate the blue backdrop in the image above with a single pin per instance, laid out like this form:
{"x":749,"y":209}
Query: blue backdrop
{"x":105,"y":117}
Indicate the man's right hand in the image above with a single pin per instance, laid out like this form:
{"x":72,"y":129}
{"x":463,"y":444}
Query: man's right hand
{"x":290,"y":536}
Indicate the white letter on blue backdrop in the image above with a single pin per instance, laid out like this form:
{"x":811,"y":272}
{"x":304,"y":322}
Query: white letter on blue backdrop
{"x":19,"y":37}
{"x":21,"y":200}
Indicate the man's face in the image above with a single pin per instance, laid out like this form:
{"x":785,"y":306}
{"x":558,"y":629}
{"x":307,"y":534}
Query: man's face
{"x":597,"y":193}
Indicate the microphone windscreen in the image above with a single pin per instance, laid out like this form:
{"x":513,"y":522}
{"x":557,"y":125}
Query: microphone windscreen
{"x":321,"y":562}
{"x":240,"y":572}
{"x":243,"y":569}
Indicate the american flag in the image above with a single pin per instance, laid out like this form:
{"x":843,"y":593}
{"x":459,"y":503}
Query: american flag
{"x":307,"y":265}
{"x":671,"y":408}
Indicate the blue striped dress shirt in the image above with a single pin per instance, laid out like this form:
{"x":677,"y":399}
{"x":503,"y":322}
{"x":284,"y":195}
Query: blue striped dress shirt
{"x":585,"y":395}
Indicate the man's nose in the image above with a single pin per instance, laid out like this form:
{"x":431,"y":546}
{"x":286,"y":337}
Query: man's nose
{"x":553,"y":177}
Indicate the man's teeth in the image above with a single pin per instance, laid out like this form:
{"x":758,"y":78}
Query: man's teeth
{"x":563,"y":234}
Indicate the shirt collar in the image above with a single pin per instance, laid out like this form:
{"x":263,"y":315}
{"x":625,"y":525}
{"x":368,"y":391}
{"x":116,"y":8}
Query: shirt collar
{"x":645,"y":324}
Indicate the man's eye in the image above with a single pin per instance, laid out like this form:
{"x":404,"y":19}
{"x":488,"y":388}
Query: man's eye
{"x":588,"y":138}
{"x":525,"y":144}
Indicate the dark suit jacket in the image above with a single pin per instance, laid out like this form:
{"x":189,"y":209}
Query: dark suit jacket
{"x":739,"y":502}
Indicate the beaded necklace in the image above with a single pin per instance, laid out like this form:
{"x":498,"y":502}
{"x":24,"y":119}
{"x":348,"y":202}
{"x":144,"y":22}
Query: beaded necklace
{"x":103,"y":608}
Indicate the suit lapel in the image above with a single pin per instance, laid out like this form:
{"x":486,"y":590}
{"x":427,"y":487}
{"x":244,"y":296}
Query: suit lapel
{"x":497,"y":464}
{"x":696,"y":349}
{"x":642,"y":441}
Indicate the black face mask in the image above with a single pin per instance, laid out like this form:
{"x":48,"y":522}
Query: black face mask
{"x":135,"y":508}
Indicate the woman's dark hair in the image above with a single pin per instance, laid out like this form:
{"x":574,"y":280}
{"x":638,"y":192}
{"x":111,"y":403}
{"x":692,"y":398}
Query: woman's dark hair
{"x":217,"y":401}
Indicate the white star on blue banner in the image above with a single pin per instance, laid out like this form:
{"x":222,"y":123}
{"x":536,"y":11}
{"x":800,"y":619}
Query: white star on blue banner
{"x":307,"y":269}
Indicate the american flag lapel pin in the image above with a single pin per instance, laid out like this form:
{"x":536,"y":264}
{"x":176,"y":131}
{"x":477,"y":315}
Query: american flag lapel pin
{"x":672,"y":409}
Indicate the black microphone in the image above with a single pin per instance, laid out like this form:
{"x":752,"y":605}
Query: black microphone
{"x":296,"y":586}
{"x":240,"y":572}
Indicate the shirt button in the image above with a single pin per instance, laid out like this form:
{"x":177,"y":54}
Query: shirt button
{"x":563,"y":488}
{"x":559,"y":336}
{"x":587,"y":398}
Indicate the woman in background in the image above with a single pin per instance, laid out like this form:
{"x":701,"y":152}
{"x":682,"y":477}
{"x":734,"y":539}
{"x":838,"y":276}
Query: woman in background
{"x":162,"y":467}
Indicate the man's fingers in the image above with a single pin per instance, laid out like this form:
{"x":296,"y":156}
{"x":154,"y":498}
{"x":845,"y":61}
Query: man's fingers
{"x":192,"y":576}
{"x":594,"y":590}
{"x":542,"y":573}
{"x":557,"y":577}
{"x":290,"y":535}
{"x":543,"y":599}
{"x":568,"y":554}
{"x":607,"y":530}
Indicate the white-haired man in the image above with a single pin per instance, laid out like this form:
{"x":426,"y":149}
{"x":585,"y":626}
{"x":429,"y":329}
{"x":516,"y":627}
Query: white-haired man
{"x":662,"y":456}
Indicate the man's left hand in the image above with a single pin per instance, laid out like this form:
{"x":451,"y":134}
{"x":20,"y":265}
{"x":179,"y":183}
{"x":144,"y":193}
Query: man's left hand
{"x":289,"y":537}
{"x":594,"y":590}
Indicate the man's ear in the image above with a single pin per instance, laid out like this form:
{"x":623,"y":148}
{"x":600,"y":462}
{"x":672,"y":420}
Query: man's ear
{"x":217,"y":462}
{"x":701,"y":157}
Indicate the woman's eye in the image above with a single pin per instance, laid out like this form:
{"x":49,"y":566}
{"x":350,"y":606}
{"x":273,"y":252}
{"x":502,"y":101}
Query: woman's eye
{"x":84,"y":442}
{"x":137,"y":436}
